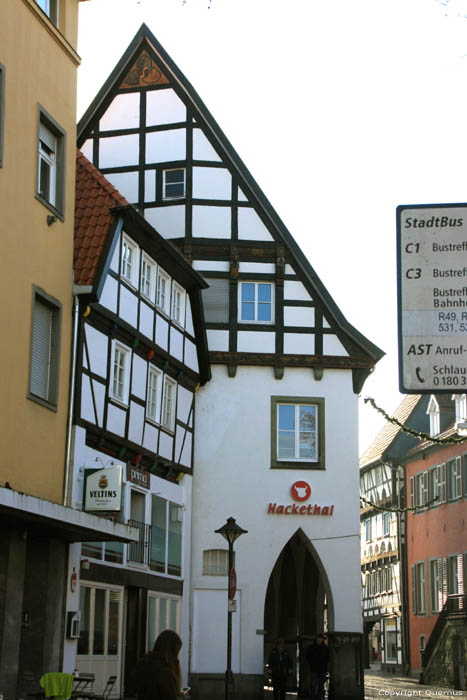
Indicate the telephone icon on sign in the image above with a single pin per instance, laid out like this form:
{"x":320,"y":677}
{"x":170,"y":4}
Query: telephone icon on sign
{"x":419,"y":376}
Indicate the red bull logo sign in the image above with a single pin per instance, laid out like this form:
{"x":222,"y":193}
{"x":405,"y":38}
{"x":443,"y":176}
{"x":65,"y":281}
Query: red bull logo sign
{"x":300,"y":492}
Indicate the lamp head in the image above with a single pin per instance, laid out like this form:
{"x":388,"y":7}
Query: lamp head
{"x":231,"y":531}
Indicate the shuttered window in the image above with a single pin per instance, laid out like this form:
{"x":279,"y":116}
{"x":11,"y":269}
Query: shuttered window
{"x":216,"y":301}
{"x":45,"y":332}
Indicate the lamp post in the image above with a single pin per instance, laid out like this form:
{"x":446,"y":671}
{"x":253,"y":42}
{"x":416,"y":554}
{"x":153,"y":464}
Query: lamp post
{"x":231,"y":532}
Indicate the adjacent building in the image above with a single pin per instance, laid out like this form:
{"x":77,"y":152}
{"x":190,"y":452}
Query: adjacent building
{"x":38,"y":63}
{"x":275,"y":444}
{"x":141,"y":354}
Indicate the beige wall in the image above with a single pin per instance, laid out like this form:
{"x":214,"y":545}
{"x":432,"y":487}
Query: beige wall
{"x":41,"y":65}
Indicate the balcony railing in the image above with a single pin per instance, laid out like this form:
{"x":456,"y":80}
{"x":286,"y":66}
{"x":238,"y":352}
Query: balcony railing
{"x":138,"y":552}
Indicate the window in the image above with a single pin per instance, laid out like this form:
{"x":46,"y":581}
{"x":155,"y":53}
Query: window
{"x":455,"y":575}
{"x":421,"y":484}
{"x":178,"y":304}
{"x":120,"y":381}
{"x":108,"y":551}
{"x":45,"y":349}
{"x":422,"y":645}
{"x":420,"y":588}
{"x":168,"y":404}
{"x":454,"y":479}
{"x":216,"y":562}
{"x":297,"y":432}
{"x":153,"y":403}
{"x":129,"y":262}
{"x":173,"y":183}
{"x":434,"y":413}
{"x":51,"y":164}
{"x":368,"y":529}
{"x":50,"y":7}
{"x":390,"y":640}
{"x":436,"y":585}
{"x":385,"y":524}
{"x":2,"y":109}
{"x":100,"y":623}
{"x":461,"y":408}
{"x":148,"y":278}
{"x":166,"y":540}
{"x":216,"y":301}
{"x":255,"y":302}
{"x":464,"y":459}
{"x":163,"y":614}
{"x":163,"y":290}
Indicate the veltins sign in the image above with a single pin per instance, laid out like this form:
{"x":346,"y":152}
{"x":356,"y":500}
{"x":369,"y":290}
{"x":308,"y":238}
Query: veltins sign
{"x":103,"y":489}
{"x":300,"y":492}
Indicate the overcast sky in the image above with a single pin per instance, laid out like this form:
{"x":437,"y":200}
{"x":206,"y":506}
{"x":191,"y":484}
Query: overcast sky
{"x":341,"y":110}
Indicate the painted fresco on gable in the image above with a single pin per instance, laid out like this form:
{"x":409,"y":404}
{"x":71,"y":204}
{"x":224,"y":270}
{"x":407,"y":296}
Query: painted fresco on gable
{"x":144,"y":72}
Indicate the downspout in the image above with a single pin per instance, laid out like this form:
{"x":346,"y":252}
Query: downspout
{"x":77,"y":290}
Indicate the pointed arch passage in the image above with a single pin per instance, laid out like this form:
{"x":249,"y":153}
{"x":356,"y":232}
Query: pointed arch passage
{"x":298,"y":604}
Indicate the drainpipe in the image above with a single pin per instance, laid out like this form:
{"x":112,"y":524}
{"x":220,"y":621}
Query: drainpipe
{"x":77,"y":290}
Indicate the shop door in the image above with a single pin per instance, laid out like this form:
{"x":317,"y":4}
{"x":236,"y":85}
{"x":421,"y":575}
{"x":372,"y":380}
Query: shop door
{"x":100,"y":641}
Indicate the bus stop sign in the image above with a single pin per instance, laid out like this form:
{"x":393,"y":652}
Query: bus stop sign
{"x":432,"y":298}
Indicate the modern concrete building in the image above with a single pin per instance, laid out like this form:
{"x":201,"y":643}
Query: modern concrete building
{"x":276,"y":428}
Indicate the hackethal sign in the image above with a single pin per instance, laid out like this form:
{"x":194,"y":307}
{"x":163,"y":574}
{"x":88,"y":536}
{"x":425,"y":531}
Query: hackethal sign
{"x":300,"y":491}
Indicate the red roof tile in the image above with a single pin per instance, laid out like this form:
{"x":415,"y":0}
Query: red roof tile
{"x":95,"y":197}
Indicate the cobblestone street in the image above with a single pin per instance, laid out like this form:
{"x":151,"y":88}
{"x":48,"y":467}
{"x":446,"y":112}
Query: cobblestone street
{"x":384,"y":685}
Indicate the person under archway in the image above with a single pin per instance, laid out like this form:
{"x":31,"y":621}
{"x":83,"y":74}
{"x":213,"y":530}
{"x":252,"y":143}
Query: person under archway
{"x":280,"y":666}
{"x":317,"y":656}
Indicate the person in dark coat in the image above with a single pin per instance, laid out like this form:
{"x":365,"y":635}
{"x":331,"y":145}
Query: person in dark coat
{"x":280,"y":666}
{"x":317,"y":656}
{"x":158,"y":675}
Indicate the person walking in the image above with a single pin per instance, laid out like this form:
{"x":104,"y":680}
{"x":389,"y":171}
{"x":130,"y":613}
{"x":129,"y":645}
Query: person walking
{"x":158,"y":675}
{"x":317,"y":656}
{"x":280,"y":666}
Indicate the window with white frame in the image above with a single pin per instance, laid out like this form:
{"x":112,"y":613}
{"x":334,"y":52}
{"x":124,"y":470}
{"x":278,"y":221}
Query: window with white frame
{"x":173,"y":183}
{"x":129,"y":261}
{"x":464,"y":460}
{"x":297,"y":437}
{"x":100,"y":621}
{"x":163,"y":290}
{"x":386,"y":520}
{"x":168,"y":403}
{"x":45,"y":349}
{"x":50,"y":7}
{"x":120,"y":373}
{"x":166,"y":537}
{"x":153,"y":398}
{"x":434,"y":413}
{"x":454,"y":479}
{"x":216,"y":562}
{"x":461,"y":407}
{"x":368,"y":529}
{"x":148,"y":278}
{"x":255,"y":302}
{"x":163,"y":614}
{"x":178,"y":304}
{"x":51,"y":164}
{"x":455,"y":574}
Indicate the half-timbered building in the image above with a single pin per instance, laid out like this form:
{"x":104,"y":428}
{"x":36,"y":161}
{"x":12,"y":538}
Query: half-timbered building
{"x":276,"y":436}
{"x":141,"y":355}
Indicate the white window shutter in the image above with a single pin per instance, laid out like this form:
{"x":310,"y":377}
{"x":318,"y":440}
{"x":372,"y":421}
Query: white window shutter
{"x":216,"y":301}
{"x":41,"y":349}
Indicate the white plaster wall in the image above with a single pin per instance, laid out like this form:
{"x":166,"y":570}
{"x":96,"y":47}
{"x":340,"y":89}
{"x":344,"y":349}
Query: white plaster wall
{"x":116,"y":418}
{"x":109,"y":294}
{"x":123,"y":113}
{"x":87,"y":408}
{"x":191,"y":355}
{"x":333,"y":346}
{"x":295,"y":290}
{"x":86,"y":149}
{"x":164,"y":107}
{"x":189,"y":318}
{"x":211,"y":221}
{"x":118,"y":151}
{"x":202,"y":149}
{"x":212,"y":183}
{"x":149,"y":185}
{"x":165,"y":445}
{"x":250,"y":226}
{"x":211,"y":265}
{"x":168,"y":221}
{"x":162,"y":332}
{"x":299,"y":343}
{"x":218,"y":340}
{"x":139,"y":374}
{"x":232,"y":477}
{"x":167,"y":145}
{"x":299,"y":316}
{"x":97,"y":346}
{"x":136,"y":424}
{"x":126,"y":184}
{"x":176,"y":343}
{"x":257,"y":268}
{"x":151,"y":434}
{"x":99,"y":396}
{"x":115,"y":262}
{"x":146,"y":320}
{"x":251,"y":341}
{"x":128,"y":306}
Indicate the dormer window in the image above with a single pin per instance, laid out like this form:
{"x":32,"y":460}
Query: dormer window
{"x":461,"y":408}
{"x":433,"y":412}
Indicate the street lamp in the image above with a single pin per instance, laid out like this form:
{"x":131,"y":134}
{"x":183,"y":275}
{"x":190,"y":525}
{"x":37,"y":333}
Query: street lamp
{"x":231,"y":532}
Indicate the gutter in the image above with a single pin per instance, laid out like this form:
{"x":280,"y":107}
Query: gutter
{"x":77,"y":290}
